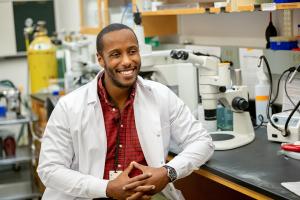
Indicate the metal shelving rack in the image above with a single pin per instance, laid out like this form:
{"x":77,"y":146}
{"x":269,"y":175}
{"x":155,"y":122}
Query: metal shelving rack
{"x":16,"y":172}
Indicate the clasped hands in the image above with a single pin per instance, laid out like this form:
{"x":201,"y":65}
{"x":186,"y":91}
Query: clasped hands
{"x":151,"y":181}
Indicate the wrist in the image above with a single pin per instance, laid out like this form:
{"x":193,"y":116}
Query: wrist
{"x":109,"y":189}
{"x":166,"y":178}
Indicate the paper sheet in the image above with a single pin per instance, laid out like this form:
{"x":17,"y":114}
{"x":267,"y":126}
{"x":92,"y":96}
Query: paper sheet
{"x":293,"y":91}
{"x":292,"y":186}
{"x":249,"y":59}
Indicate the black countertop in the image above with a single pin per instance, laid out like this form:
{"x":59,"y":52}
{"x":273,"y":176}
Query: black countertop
{"x":257,"y":166}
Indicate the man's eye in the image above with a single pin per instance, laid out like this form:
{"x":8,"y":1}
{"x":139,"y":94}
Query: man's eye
{"x":133,"y":51}
{"x":115,"y":55}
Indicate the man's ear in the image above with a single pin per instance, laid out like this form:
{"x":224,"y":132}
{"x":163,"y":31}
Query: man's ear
{"x":100,"y":59}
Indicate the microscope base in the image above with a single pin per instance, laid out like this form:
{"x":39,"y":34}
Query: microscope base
{"x":226,"y":140}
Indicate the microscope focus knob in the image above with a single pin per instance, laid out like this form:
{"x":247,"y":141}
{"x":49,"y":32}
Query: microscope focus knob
{"x":239,"y":103}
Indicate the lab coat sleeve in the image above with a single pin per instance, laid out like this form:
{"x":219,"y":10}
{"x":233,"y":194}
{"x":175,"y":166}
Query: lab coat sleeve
{"x":55,"y":160}
{"x":188,"y":133}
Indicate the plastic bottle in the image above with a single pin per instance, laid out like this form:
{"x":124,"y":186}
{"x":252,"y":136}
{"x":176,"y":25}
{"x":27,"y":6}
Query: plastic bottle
{"x":127,"y":17}
{"x":261,"y":96}
{"x":224,"y":118}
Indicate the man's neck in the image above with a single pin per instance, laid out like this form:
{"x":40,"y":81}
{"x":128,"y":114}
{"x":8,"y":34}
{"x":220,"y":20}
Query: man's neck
{"x":117,"y":94}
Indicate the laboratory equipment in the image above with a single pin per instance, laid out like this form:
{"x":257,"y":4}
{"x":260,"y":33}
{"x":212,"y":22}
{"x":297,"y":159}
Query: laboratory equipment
{"x":214,"y":79}
{"x":214,"y":84}
{"x":12,"y":98}
{"x":285,"y":126}
{"x":9,"y":145}
{"x":78,"y":61}
{"x":279,"y":120}
{"x":180,"y":77}
{"x":41,"y":60}
{"x":270,"y":32}
{"x":291,"y":150}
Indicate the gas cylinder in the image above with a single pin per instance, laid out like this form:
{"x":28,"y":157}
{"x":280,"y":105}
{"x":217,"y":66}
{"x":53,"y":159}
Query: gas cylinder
{"x":41,"y":61}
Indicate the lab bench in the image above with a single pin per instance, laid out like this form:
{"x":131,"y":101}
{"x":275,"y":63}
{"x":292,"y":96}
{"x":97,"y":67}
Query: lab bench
{"x":254,"y":171}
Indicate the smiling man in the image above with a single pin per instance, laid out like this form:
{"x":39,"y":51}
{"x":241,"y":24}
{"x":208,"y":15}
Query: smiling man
{"x":110,"y":138}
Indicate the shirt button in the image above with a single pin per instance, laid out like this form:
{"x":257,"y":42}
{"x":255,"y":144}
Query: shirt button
{"x":121,"y":125}
{"x":113,"y":109}
{"x":120,"y":145}
{"x":119,"y":165}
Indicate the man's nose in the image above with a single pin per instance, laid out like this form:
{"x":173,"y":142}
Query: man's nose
{"x":126,"y":60}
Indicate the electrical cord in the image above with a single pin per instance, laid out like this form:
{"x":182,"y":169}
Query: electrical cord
{"x":286,"y":92}
{"x":261,"y":119}
{"x":286,"y":131}
{"x":198,"y":53}
{"x":263,"y":58}
{"x":291,"y":69}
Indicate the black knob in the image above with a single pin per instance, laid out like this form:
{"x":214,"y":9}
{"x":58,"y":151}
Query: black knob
{"x":239,"y":103}
{"x":276,"y":119}
{"x":222,"y":89}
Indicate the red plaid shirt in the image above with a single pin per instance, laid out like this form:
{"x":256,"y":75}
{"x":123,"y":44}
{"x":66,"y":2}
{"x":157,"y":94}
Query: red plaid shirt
{"x":124,"y":123}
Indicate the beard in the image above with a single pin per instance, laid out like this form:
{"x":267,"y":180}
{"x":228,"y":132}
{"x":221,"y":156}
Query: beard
{"x":116,"y":80}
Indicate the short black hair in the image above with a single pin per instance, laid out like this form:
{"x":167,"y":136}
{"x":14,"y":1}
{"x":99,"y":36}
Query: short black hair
{"x":108,"y":29}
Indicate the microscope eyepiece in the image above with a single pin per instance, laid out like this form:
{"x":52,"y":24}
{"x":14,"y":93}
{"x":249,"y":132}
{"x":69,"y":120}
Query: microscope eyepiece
{"x":239,"y":103}
{"x":179,"y":55}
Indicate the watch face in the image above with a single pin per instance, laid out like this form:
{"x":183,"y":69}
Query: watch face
{"x":171,"y":173}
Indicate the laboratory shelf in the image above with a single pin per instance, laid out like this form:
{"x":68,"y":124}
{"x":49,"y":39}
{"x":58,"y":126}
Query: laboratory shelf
{"x":227,"y":9}
{"x":17,"y":184}
{"x":22,"y":119}
{"x":184,"y":11}
{"x":23,"y":154}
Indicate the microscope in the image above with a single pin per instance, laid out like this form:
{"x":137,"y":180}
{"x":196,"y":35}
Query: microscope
{"x":215,"y":84}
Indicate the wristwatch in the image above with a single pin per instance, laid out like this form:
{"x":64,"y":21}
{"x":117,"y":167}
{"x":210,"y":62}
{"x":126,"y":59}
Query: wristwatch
{"x":172,"y":174}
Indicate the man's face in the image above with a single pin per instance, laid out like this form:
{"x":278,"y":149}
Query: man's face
{"x":120,"y":58}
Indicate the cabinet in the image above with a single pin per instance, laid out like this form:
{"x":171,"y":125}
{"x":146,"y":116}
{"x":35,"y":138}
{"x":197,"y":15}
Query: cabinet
{"x":17,"y":171}
{"x":7,"y":36}
{"x":93,"y":16}
{"x":164,"y":22}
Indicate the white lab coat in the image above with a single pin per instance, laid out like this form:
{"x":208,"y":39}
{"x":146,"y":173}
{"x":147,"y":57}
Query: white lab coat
{"x":72,"y":156}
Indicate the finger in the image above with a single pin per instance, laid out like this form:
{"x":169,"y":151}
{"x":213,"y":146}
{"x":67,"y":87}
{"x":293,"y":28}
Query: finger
{"x":135,"y":184}
{"x":146,"y":197}
{"x":139,"y":166}
{"x":145,"y":188}
{"x":140,"y":177}
{"x":129,"y":168}
{"x":137,"y":195}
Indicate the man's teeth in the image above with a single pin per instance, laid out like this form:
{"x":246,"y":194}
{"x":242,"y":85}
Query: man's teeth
{"x":127,"y":72}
